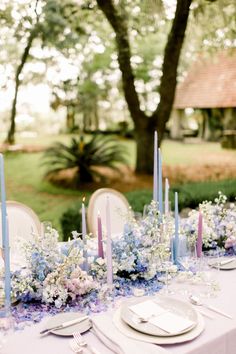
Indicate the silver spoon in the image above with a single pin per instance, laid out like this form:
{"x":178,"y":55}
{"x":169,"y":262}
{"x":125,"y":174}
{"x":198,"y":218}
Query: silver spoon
{"x":196,"y":301}
{"x":146,"y":320}
{"x":143,"y":319}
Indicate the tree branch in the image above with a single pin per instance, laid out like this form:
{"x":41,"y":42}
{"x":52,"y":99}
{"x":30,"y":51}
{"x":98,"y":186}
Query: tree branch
{"x":119,"y":26}
{"x":33,"y":34}
{"x":170,"y":65}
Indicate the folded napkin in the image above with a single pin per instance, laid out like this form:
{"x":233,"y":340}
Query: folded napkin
{"x":118,"y":342}
{"x":171,"y":323}
{"x":146,"y":309}
{"x":161,"y":317}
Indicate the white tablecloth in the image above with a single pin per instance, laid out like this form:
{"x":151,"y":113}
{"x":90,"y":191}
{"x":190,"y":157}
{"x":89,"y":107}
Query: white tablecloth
{"x":219,"y":336}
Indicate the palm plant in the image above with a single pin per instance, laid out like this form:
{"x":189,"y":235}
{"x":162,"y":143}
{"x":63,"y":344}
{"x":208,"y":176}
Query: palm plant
{"x":85,"y":157}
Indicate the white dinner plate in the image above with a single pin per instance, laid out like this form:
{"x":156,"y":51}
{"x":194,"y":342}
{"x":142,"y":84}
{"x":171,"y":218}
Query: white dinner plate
{"x":175,"y":306}
{"x":228,"y":266}
{"x":68,"y":331}
{"x":132,"y":333}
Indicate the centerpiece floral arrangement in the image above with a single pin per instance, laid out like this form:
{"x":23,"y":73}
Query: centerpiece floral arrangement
{"x":139,"y":251}
{"x":51,"y":275}
{"x":54,"y":274}
{"x":219,"y":223}
{"x":143,"y":246}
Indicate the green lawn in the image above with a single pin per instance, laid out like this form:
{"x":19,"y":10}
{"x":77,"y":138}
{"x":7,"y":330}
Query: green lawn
{"x":174,"y":152}
{"x":25,"y":183}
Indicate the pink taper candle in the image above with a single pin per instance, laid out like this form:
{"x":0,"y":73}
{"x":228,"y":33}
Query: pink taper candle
{"x":199,"y":236}
{"x":100,"y":246}
{"x":109,"y":245}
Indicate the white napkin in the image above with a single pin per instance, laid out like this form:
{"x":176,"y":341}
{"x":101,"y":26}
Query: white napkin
{"x":118,"y":342}
{"x":161,"y":317}
{"x":171,"y":322}
{"x":147,"y":309}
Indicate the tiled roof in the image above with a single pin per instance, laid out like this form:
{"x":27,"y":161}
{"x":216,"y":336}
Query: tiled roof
{"x":210,"y":83}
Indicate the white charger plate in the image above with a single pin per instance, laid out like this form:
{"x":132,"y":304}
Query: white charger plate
{"x":132,"y":333}
{"x":175,"y":306}
{"x":68,"y":331}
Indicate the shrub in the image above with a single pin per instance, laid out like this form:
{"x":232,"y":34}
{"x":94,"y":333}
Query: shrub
{"x":85,"y":157}
{"x":71,"y":221}
{"x":190,"y":194}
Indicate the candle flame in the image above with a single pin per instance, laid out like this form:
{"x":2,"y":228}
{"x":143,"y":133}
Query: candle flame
{"x":83,"y":200}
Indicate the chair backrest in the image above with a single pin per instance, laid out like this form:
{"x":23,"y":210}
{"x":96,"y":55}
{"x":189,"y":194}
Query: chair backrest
{"x":119,"y":207}
{"x":22,"y":222}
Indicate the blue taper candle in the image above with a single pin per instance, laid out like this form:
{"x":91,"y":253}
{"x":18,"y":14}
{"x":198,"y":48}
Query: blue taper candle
{"x":5,"y":238}
{"x":176,"y":239}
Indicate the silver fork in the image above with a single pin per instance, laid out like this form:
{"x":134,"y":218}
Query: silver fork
{"x":75,"y":347}
{"x":82,"y":343}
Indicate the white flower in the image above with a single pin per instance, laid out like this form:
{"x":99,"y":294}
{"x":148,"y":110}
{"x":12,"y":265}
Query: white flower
{"x":91,"y":259}
{"x":100,"y":261}
{"x":75,"y":234}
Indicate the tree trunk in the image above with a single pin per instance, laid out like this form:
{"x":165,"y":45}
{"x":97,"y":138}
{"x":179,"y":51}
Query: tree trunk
{"x":170,"y":65}
{"x":86,"y":121}
{"x":145,"y":147}
{"x":11,"y":133}
{"x":70,"y":119}
{"x":96,"y":116}
{"x":144,"y":132}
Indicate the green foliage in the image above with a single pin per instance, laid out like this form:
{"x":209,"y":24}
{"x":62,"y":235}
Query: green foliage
{"x":70,"y":221}
{"x":190,"y":194}
{"x":137,"y":199}
{"x":85,"y":157}
{"x":229,"y":141}
{"x":27,"y":186}
{"x":60,"y":27}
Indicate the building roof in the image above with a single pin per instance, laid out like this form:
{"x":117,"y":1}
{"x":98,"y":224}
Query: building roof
{"x":210,"y":83}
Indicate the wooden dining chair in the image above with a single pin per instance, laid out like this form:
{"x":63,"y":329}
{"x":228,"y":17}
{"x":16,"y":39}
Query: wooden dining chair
{"x":119,"y":208}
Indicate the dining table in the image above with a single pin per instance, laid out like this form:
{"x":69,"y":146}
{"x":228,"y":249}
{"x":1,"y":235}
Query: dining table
{"x":217,"y":337}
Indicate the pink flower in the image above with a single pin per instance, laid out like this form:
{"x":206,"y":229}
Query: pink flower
{"x":230,"y":242}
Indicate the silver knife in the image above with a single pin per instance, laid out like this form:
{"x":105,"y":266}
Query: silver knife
{"x":220,"y":312}
{"x":64,"y":325}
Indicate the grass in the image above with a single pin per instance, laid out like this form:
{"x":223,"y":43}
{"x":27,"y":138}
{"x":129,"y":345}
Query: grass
{"x":25,"y":183}
{"x":174,"y":152}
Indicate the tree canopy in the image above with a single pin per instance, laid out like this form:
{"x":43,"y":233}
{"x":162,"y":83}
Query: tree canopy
{"x":87,"y":50}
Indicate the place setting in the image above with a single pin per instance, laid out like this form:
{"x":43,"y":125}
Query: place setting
{"x":160,"y":320}
{"x":224,"y":264}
